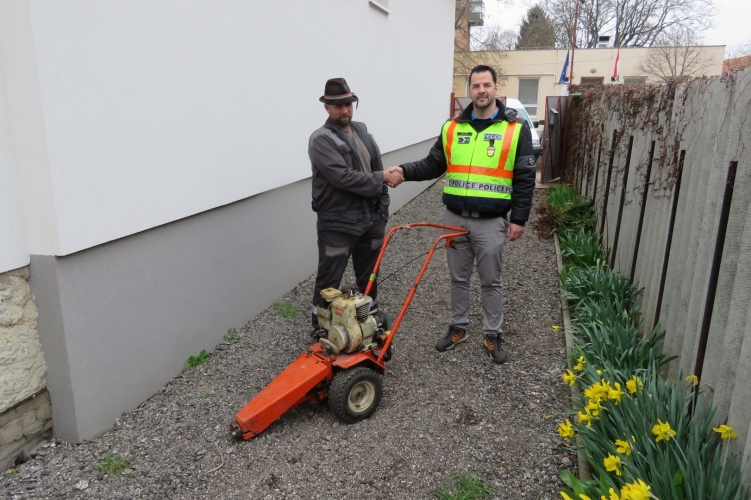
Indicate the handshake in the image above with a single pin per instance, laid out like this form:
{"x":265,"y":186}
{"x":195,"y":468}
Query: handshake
{"x":393,"y":176}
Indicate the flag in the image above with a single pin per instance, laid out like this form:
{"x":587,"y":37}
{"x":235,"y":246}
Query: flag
{"x":617,"y":68}
{"x":564,"y":78}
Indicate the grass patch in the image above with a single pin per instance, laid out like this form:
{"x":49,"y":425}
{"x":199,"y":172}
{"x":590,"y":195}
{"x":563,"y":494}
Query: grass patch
{"x":231,"y":335}
{"x":13,"y":472}
{"x":284,"y":309}
{"x":465,"y":486}
{"x":203,"y":357}
{"x":111,"y":463}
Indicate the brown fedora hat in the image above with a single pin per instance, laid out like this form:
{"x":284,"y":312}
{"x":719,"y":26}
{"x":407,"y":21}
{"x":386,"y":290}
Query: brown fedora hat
{"x":337,"y":92}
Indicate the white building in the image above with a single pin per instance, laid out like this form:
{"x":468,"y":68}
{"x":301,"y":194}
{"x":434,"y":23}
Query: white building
{"x":154,"y":172}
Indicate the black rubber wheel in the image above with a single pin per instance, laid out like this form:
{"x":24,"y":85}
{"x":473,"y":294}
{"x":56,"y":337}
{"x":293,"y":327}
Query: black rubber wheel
{"x":354,"y":394}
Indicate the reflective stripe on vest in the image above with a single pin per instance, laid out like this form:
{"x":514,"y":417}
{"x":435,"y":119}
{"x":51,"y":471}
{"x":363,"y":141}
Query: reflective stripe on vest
{"x":480,"y":165}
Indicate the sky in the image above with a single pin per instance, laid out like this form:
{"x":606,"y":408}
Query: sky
{"x":731,"y":19}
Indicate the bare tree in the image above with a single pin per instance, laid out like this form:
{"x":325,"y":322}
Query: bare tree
{"x":496,"y":38}
{"x":466,"y":39}
{"x":736,"y":51}
{"x":675,"y":54}
{"x":633,"y":23}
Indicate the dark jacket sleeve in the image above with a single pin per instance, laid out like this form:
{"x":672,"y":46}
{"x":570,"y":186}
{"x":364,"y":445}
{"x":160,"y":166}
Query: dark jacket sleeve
{"x":523,"y":183}
{"x":385,"y":200}
{"x":327,"y":158}
{"x":432,"y":167}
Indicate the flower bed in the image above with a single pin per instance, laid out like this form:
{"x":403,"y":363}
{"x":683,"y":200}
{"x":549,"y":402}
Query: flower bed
{"x":643,"y":436}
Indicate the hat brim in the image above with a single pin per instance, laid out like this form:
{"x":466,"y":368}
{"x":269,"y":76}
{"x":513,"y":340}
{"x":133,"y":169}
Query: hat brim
{"x":338,"y":100}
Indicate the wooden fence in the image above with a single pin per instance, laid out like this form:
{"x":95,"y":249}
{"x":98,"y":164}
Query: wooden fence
{"x":669,"y":168}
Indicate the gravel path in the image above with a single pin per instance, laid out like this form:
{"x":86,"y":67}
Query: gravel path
{"x":442,"y":414}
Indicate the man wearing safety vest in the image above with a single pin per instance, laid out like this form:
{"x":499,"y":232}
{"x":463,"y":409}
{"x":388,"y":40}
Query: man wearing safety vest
{"x":489,"y":164}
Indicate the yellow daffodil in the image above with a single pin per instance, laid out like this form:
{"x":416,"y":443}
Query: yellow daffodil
{"x":569,"y":378}
{"x":597,"y":392}
{"x":613,"y":495}
{"x":725,"y":432}
{"x":662,"y":431}
{"x":634,"y":384}
{"x":556,"y":328}
{"x":585,"y":417}
{"x":612,"y":464}
{"x":599,"y":372}
{"x":580,"y":365}
{"x":565,"y":496}
{"x":693,"y":379}
{"x":623,"y":447}
{"x":566,"y":430}
{"x":636,"y":491}
{"x":616,"y":394}
{"x":584,"y":497}
{"x":593,"y":408}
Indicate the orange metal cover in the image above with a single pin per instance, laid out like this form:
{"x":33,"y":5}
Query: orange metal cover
{"x":286,"y":390}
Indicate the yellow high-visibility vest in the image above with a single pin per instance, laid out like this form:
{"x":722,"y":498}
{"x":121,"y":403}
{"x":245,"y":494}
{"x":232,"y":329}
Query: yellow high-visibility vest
{"x":480,"y":164}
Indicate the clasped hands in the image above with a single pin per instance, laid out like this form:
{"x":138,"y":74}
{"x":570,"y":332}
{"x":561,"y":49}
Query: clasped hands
{"x":393,"y":176}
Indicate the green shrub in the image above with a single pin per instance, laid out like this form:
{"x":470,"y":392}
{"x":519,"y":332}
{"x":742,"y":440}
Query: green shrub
{"x":598,"y":284}
{"x":111,"y":463}
{"x":284,"y":309}
{"x":203,"y":357}
{"x":560,"y":196}
{"x":581,"y":247}
{"x":466,"y":486}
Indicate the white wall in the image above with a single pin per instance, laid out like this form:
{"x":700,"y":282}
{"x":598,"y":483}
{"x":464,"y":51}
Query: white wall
{"x":13,"y":252}
{"x":135,"y":114}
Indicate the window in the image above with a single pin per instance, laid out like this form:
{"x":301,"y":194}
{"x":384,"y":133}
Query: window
{"x":592,"y":80}
{"x":381,"y":5}
{"x":634,"y":80}
{"x":528,"y":90}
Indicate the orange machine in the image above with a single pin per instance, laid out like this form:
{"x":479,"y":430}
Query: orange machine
{"x":346,"y":364}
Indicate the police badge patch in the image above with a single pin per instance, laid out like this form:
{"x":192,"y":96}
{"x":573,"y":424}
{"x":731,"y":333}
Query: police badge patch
{"x":491,"y":151}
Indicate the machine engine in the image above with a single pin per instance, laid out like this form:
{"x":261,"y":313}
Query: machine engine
{"x":347,"y":319}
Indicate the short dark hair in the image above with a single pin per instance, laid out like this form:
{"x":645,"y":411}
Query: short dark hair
{"x":482,"y":69}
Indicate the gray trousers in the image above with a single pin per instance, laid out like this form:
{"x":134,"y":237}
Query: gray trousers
{"x":485,"y":248}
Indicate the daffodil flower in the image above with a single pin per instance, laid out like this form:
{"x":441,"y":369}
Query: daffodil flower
{"x":693,"y":379}
{"x":623,"y":447}
{"x":556,"y":328}
{"x":616,"y":394}
{"x":566,"y":430}
{"x":638,"y":490}
{"x":569,"y":378}
{"x":580,"y":365}
{"x":725,"y":431}
{"x":593,"y":408}
{"x":634,"y":384}
{"x":612,"y":464}
{"x":613,"y":495}
{"x":585,"y":417}
{"x":662,"y":431}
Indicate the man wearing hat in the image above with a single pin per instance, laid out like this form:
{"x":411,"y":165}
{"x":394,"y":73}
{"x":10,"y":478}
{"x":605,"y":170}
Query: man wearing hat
{"x":350,"y":194}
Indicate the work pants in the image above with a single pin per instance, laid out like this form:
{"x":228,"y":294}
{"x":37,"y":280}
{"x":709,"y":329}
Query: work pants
{"x":334,"y":250}
{"x":483,"y":247}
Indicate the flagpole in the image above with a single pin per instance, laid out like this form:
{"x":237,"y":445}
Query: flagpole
{"x":573,"y":44}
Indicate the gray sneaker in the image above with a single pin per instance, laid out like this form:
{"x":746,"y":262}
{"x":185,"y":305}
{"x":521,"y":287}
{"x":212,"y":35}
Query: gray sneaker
{"x":497,"y":352}
{"x":454,"y":337}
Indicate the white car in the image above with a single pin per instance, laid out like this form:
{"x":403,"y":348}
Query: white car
{"x":519,"y":107}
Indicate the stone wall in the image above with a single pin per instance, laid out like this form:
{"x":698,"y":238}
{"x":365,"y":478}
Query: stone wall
{"x":25,"y":415}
